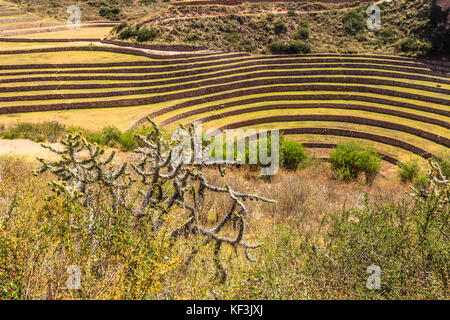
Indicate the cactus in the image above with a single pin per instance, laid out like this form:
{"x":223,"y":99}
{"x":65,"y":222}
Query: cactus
{"x":81,"y":169}
{"x":165,"y":184}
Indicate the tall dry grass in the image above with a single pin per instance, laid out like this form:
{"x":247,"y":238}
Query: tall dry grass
{"x":291,"y":264}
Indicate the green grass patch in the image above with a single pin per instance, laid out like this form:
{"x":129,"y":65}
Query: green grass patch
{"x":52,"y":131}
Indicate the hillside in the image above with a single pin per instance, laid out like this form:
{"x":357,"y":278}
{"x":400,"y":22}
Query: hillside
{"x":91,"y":10}
{"x":408,"y":27}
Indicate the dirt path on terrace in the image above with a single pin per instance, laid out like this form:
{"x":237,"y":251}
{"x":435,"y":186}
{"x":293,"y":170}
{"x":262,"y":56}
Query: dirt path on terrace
{"x":31,"y":150}
{"x":25,"y":148}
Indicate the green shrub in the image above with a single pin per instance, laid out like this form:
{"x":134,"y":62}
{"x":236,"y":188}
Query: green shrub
{"x":270,"y":17}
{"x":248,"y":45}
{"x":51,"y":131}
{"x":387,"y":34}
{"x":421,"y":181}
{"x":145,"y":35}
{"x":240,"y":19}
{"x":280,"y":27}
{"x":128,"y":32}
{"x":301,"y":34}
{"x":414,"y":45}
{"x":405,"y":240}
{"x":38,"y":132}
{"x":119,"y":27}
{"x":304,"y":24}
{"x":443,"y":159}
{"x":192,"y":36}
{"x":353,"y":22}
{"x":290,"y":47}
{"x":114,"y":137}
{"x":291,"y":13}
{"x":229,"y":27}
{"x":237,"y":155}
{"x":232,"y":37}
{"x":110,"y":134}
{"x":292,"y":154}
{"x":409,"y":170}
{"x":110,"y":13}
{"x":350,"y":159}
{"x":409,"y":44}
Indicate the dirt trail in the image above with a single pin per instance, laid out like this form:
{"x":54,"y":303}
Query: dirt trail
{"x":25,"y":148}
{"x":30,"y":150}
{"x":194,"y":15}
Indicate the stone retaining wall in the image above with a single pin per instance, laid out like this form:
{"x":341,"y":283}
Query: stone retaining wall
{"x":343,"y":119}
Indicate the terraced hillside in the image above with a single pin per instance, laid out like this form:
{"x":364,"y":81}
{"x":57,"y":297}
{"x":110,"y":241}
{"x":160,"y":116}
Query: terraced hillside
{"x":14,"y":22}
{"x":400,"y":105}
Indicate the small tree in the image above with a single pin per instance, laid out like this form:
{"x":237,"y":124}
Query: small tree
{"x":292,"y":154}
{"x":409,"y":170}
{"x":280,"y":27}
{"x":127,"y":32}
{"x":290,"y":47}
{"x":443,"y":160}
{"x":348,"y":160}
{"x":353,"y":22}
{"x":110,"y":13}
{"x":301,"y":34}
{"x":146,"y":34}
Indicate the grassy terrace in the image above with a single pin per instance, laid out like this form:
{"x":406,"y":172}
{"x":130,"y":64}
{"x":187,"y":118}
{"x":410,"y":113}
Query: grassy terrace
{"x":17,"y":23}
{"x":22,"y":84}
{"x":92,"y":32}
{"x":65,"y":56}
{"x":223,"y":121}
{"x":171,"y":70}
{"x":401,"y":136}
{"x":332,"y":69}
{"x":241,"y":93}
{"x":252,"y":79}
{"x":242,"y":67}
{"x":238,"y":59}
{"x":292,"y":107}
{"x":94,"y":119}
{"x":4,"y":45}
{"x":307,"y":58}
{"x":175,"y":95}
